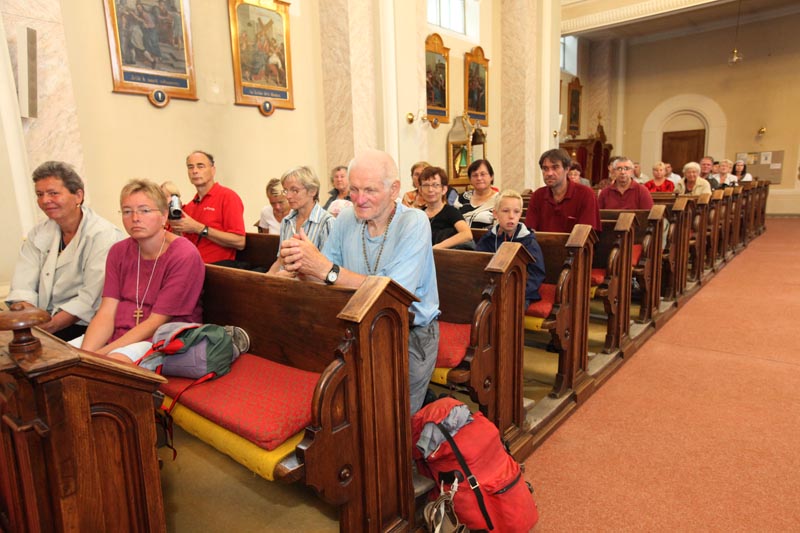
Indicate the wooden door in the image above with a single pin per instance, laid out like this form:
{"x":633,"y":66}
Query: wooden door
{"x":680,"y":147}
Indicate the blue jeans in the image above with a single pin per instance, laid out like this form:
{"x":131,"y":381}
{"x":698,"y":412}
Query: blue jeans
{"x":423,"y":348}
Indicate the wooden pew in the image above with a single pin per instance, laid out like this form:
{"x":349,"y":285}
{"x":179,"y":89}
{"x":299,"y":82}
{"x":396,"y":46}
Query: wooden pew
{"x":260,"y":250}
{"x":77,"y":439}
{"x":735,"y":237}
{"x":676,"y":251}
{"x":356,"y":451}
{"x":725,"y":209}
{"x":649,"y":230}
{"x":612,"y":259}
{"x":746,"y":221}
{"x":698,"y":240}
{"x":487,"y":291}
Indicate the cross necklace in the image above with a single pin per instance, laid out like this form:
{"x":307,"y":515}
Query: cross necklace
{"x":371,"y":271}
{"x":139,"y":313}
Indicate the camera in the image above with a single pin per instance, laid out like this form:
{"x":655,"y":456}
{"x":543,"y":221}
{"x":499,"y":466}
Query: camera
{"x":175,"y":208}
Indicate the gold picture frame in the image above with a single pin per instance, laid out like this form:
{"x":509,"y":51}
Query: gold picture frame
{"x":574,"y":90}
{"x":476,"y":85}
{"x":262,"y":58}
{"x":437,"y":78}
{"x":150,"y":42}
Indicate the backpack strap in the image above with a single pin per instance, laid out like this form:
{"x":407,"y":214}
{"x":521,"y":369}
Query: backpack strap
{"x":207,"y":377}
{"x":473,"y":482}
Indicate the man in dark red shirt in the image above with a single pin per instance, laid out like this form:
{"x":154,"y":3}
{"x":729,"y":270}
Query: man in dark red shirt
{"x":625,"y":192}
{"x":561,"y":203}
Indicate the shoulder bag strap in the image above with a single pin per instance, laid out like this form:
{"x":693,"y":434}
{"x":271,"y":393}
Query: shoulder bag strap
{"x":473,"y":483}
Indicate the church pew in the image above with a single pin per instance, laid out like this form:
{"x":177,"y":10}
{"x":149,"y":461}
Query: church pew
{"x":734,"y":238}
{"x":761,"y":206}
{"x":482,"y":296}
{"x":676,"y":250}
{"x":77,"y":438}
{"x":698,"y":240}
{"x":746,"y":215}
{"x":355,"y":452}
{"x":725,"y":209}
{"x":646,"y":270}
{"x":712,"y":232}
{"x":564,"y":308}
{"x":260,"y":250}
{"x":612,"y":273}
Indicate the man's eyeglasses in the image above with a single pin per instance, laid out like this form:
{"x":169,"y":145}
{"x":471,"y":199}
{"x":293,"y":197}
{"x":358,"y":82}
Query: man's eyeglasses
{"x":623,"y":169}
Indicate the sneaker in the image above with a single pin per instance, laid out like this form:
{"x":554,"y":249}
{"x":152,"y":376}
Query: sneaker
{"x":241,"y":340}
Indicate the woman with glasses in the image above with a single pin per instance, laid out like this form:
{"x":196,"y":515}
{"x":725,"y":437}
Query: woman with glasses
{"x":152,"y":278}
{"x":61,"y":264}
{"x":448,"y":228}
{"x":301,"y":186}
{"x":476,"y":204}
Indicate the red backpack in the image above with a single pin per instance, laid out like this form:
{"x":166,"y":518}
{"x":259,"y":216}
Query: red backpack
{"x":492,"y":493}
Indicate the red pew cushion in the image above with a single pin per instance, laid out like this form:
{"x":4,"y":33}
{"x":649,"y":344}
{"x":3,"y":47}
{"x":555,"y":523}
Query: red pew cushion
{"x":453,"y":344}
{"x":598,"y":276}
{"x":636,"y":254}
{"x":259,"y":400}
{"x":543,"y":307}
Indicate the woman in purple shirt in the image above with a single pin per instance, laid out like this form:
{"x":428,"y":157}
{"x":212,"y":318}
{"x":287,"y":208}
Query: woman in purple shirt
{"x":152,"y":278}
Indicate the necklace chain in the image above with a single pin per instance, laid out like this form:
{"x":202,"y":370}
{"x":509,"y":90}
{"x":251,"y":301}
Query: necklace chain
{"x":371,"y":271}
{"x":138,"y":313}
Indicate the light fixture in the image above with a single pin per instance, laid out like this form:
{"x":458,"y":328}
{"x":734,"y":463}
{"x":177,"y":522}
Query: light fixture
{"x":761,"y":131}
{"x":736,"y":56}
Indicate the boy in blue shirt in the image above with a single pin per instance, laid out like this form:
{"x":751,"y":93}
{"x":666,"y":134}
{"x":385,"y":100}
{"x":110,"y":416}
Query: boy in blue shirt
{"x":508,"y":228}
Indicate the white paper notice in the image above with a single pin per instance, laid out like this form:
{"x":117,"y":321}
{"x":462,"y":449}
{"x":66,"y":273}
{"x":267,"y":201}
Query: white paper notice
{"x":775,"y":166}
{"x":766,"y":158}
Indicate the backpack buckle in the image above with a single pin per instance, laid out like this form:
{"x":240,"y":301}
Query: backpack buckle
{"x":473,"y":483}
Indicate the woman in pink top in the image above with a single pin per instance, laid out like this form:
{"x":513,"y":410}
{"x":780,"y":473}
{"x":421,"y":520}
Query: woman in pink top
{"x":152,"y":278}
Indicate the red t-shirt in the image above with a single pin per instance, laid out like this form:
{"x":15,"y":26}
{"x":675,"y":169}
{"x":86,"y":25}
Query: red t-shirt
{"x":667,"y":186}
{"x":635,"y":197}
{"x":579,"y":206}
{"x":221,"y":209}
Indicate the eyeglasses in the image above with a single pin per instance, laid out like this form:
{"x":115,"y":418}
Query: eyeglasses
{"x":483,"y":174}
{"x":623,"y":169}
{"x":294,"y":190}
{"x":431,"y":186}
{"x":141,"y":211}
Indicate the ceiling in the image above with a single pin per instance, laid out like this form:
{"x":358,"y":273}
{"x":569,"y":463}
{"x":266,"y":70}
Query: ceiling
{"x":718,"y":15}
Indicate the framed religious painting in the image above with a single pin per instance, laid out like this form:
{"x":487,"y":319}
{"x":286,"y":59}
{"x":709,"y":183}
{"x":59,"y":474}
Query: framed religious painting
{"x":262,"y":59}
{"x":574,"y":90}
{"x":150,"y":42}
{"x":476,"y":85}
{"x":437,"y":71}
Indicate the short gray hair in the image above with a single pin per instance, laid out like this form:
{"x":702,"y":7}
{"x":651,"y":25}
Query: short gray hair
{"x":692,"y":165}
{"x":305,"y":176}
{"x":61,"y":170}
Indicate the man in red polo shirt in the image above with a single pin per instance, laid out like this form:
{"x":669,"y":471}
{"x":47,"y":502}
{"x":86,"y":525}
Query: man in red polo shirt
{"x":625,"y":193}
{"x":214,"y":219}
{"x":561,"y":203}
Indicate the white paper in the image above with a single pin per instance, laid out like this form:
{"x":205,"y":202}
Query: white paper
{"x":766,"y":158}
{"x":775,"y":166}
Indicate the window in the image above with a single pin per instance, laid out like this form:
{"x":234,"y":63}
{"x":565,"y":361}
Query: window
{"x":569,"y":55}
{"x":448,"y":14}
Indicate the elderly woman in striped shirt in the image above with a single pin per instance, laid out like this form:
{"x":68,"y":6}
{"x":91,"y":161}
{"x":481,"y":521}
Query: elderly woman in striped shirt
{"x":302,"y":192}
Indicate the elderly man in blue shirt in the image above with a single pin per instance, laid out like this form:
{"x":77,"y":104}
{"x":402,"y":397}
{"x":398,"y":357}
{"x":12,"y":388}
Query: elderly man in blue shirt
{"x":379,"y":236}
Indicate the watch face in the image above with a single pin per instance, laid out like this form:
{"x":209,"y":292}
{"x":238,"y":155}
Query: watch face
{"x":332,"y":276}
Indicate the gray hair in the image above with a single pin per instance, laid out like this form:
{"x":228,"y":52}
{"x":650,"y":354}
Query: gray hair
{"x":691,"y":165}
{"x":305,"y":176}
{"x":61,"y":170}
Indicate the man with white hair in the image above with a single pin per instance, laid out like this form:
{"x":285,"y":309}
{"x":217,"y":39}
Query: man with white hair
{"x":379,"y":236}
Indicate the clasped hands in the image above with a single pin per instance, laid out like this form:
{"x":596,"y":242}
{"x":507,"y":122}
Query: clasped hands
{"x":302,"y":259}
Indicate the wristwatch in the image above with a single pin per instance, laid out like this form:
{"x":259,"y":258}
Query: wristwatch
{"x":204,"y":232}
{"x":333,"y":275}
